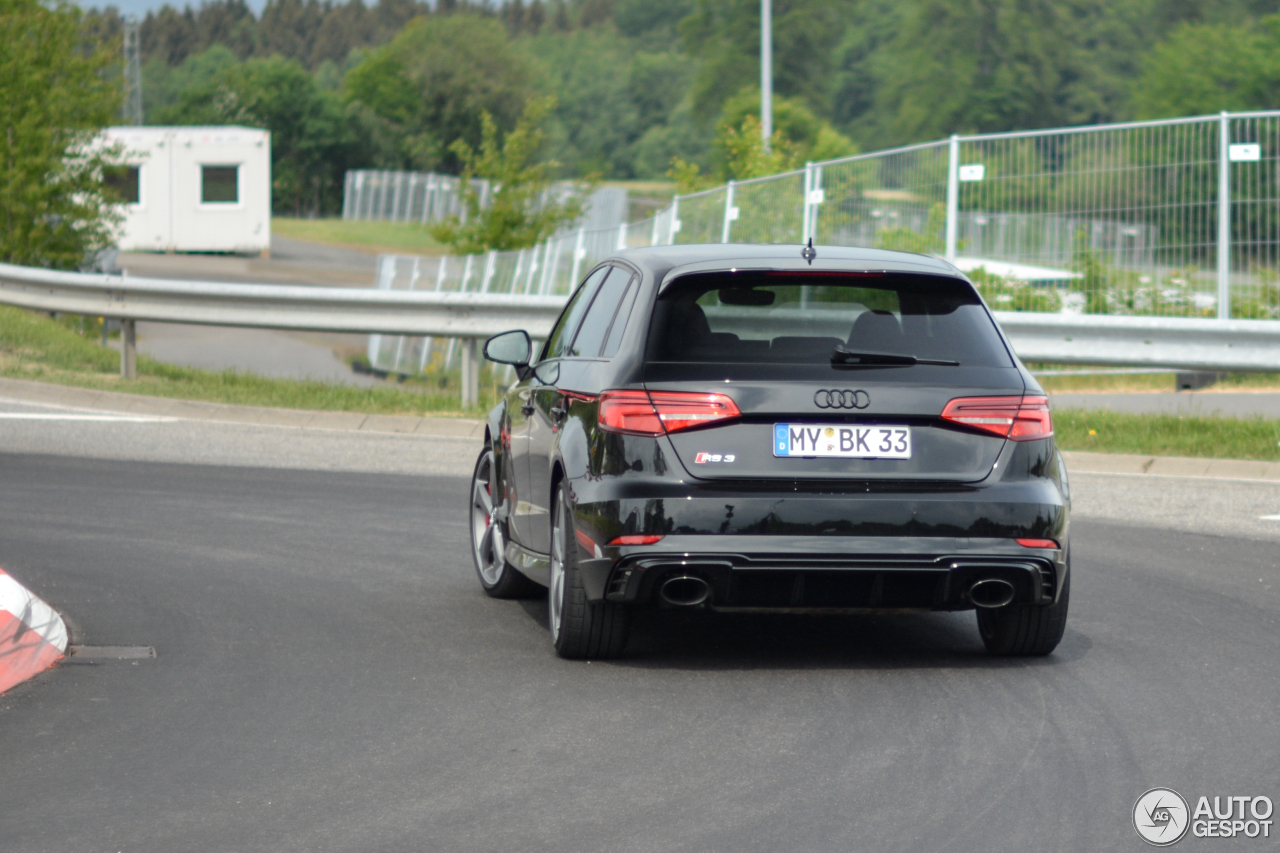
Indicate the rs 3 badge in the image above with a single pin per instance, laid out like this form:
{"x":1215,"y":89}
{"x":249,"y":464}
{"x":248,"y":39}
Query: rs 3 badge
{"x":704,"y":457}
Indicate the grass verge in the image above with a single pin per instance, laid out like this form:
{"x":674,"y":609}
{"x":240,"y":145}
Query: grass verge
{"x":65,"y":352}
{"x":1167,"y":435}
{"x":389,"y":237}
{"x":34,"y":346}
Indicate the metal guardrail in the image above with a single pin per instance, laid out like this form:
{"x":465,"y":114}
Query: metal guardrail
{"x":469,"y":316}
{"x":1085,"y":339}
{"x":1174,"y":342}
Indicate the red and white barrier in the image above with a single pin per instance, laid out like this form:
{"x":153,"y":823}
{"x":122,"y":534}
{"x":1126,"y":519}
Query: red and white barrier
{"x":32,"y":634}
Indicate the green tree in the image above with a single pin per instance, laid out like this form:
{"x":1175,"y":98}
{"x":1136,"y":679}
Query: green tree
{"x":960,"y":65}
{"x":807,"y":135}
{"x":739,"y":150}
{"x":609,"y":94}
{"x":313,"y":141}
{"x":1205,"y":68}
{"x":163,"y":85}
{"x":518,"y":215}
{"x":435,"y":79}
{"x":54,"y":101}
{"x":725,"y":36}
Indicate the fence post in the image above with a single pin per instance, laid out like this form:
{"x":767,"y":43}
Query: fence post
{"x":395,"y":197}
{"x":578,"y":253}
{"x":953,"y":196}
{"x":489,"y":263}
{"x":533,"y":268}
{"x":622,"y":236}
{"x":550,"y":263}
{"x":1224,"y":216}
{"x":675,"y":221}
{"x":804,"y":208}
{"x":653,"y":240}
{"x":730,"y":213}
{"x":470,"y":373}
{"x":816,"y":198}
{"x":128,"y":349}
{"x":466,"y":273}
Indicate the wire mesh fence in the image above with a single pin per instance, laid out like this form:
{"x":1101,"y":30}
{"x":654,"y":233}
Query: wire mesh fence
{"x":421,"y":197}
{"x":890,"y":200}
{"x":1167,"y":218}
{"x":549,"y":268}
{"x":427,"y":197}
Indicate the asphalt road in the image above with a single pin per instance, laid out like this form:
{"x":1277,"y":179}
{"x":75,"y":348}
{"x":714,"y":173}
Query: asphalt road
{"x":280,"y":355}
{"x":330,"y":677}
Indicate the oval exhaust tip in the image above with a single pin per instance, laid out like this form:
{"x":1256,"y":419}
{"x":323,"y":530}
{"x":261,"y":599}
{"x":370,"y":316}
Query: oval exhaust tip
{"x":991,"y":592}
{"x":684,"y":591}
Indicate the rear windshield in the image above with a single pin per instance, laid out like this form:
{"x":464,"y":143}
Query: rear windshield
{"x":800,"y":319}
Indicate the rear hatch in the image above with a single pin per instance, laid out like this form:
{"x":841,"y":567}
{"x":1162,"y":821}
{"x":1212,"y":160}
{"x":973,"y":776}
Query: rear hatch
{"x":834,"y":376}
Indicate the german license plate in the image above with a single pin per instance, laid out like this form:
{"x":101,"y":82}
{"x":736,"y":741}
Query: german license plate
{"x":842,"y":441}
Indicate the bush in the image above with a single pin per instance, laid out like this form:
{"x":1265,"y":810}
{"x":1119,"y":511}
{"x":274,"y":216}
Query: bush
{"x":54,"y":101}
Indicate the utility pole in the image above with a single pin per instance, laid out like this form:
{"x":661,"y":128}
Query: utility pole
{"x":132,"y":73}
{"x":766,"y":71}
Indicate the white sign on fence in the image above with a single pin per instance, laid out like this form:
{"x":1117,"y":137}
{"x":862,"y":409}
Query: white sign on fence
{"x":1244,"y":152}
{"x":973,"y":172}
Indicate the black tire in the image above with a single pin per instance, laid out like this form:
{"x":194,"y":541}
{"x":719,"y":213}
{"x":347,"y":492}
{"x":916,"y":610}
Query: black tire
{"x":488,"y":538}
{"x":580,"y":629}
{"x":1025,"y":630}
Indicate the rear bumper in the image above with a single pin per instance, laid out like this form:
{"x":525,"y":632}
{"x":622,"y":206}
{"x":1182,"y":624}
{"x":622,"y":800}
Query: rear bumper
{"x":847,"y":573}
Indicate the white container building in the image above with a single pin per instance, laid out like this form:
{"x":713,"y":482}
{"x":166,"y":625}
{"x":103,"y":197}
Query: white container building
{"x":194,"y":189}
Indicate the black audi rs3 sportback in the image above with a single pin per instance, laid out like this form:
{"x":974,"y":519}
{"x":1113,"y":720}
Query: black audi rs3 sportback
{"x":773,"y":429}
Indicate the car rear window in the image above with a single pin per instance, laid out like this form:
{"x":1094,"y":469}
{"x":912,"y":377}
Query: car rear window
{"x":800,"y":318}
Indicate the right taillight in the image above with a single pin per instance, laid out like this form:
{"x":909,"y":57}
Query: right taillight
{"x":658,"y":412}
{"x":1015,"y":418}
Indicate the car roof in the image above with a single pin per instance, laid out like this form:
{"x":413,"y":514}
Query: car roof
{"x":664,"y":263}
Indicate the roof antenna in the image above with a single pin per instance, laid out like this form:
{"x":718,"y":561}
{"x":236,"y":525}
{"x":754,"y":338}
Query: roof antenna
{"x":808,"y":252}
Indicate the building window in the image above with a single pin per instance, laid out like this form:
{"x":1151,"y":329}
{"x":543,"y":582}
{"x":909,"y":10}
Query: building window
{"x":219,"y":184}
{"x":124,"y":181}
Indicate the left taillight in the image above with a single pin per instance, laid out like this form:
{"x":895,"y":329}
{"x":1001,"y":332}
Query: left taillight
{"x":1015,"y":418}
{"x":658,"y":412}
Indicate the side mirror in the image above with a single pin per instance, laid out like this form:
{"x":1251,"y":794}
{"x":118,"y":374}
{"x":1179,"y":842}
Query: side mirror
{"x":509,"y":348}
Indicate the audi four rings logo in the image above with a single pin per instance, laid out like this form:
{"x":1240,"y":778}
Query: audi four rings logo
{"x":838,"y":399}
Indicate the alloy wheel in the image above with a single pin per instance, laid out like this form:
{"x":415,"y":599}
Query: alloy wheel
{"x":486,"y":533}
{"x":555,"y":596}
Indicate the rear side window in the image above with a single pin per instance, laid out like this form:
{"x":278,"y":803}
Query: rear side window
{"x":599,"y":316}
{"x":620,"y":320}
{"x":799,"y":319}
{"x":595,"y":325}
{"x":572,"y":316}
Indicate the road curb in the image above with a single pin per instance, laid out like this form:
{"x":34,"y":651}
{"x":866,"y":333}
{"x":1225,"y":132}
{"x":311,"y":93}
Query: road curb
{"x":1083,"y":462}
{"x":42,"y":393}
{"x":33,"y":636}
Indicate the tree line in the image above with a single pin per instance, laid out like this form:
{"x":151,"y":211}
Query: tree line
{"x":652,"y":88}
{"x":638,"y":83}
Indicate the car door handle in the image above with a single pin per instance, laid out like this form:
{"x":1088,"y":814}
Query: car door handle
{"x":526,"y":409}
{"x":558,"y":412}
